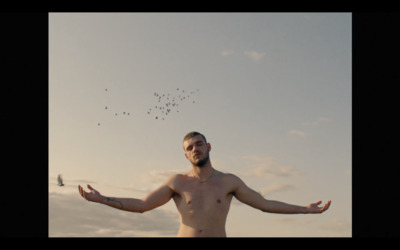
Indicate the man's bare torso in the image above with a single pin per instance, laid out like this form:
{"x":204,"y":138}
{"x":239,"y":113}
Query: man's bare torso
{"x":203,"y":206}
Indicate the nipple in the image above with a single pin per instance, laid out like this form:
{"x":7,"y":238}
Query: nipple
{"x":188,"y":202}
{"x":219,"y":201}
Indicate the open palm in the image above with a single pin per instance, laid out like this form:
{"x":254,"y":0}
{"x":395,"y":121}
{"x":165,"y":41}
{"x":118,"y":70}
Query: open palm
{"x":93,"y":195}
{"x":315,"y":208}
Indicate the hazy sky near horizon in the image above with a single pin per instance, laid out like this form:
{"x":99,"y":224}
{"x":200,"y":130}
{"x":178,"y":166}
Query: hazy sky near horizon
{"x":270,"y":91}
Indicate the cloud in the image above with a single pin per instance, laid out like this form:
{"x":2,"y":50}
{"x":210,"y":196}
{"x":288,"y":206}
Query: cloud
{"x":336,"y":225}
{"x":71,"y":216}
{"x":71,"y":186}
{"x":318,"y":121}
{"x":268,"y":167}
{"x":159,"y":176}
{"x":314,"y":227}
{"x":298,"y":133}
{"x":227,"y":52}
{"x":275,"y":187}
{"x":254,"y":55}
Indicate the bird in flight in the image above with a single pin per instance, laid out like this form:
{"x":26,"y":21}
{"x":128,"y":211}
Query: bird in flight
{"x":60,"y":180}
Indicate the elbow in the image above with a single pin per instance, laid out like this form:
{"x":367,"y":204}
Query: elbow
{"x":143,"y":206}
{"x":138,"y":208}
{"x":141,"y":210}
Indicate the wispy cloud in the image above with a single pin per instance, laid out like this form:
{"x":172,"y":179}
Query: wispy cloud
{"x":318,"y":227}
{"x":71,"y":216}
{"x":299,"y":133}
{"x":159,"y":176}
{"x":275,"y":187}
{"x":268,"y":167}
{"x":318,"y":121}
{"x":254,"y":55}
{"x":336,"y":225}
{"x":227,"y":52}
{"x":71,"y":186}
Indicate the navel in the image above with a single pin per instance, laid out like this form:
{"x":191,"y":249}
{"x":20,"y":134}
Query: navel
{"x":219,"y":201}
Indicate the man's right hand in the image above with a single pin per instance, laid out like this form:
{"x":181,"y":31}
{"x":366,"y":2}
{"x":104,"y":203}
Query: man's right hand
{"x":93,"y":195}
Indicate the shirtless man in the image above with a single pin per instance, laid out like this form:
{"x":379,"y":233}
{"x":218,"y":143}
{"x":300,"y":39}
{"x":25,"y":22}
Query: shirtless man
{"x":202,"y":196}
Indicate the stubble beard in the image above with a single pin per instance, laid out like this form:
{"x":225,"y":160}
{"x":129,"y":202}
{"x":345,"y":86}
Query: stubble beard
{"x":201,"y":162}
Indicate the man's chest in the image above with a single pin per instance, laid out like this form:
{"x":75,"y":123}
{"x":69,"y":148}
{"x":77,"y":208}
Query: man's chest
{"x":196,"y":196}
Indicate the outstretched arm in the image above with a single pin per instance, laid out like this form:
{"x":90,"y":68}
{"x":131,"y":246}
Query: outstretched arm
{"x":250,"y":197}
{"x":155,"y":199}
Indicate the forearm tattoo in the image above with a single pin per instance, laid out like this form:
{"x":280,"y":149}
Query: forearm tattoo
{"x":114,"y":200}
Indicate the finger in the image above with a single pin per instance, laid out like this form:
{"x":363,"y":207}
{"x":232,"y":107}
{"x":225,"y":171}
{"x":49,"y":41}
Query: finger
{"x":83,"y":193}
{"x":318,"y":202}
{"x":80,"y":190}
{"x":90,"y":187}
{"x":326,"y":206}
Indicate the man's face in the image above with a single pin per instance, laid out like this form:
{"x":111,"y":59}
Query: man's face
{"x":196,"y":150}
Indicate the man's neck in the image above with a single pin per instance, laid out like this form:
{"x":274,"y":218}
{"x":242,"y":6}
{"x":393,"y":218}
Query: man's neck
{"x":204,"y":172}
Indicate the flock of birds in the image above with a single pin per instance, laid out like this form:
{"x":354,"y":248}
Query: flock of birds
{"x":165,"y":103}
{"x":116,"y":114}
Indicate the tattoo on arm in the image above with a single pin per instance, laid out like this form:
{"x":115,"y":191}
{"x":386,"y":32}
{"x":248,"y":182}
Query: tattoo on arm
{"x":114,"y":200}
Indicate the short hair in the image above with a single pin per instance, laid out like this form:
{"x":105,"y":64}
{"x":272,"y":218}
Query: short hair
{"x":193,"y":134}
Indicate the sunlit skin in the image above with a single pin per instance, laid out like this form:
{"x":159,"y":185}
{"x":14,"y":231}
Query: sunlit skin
{"x":202,"y":196}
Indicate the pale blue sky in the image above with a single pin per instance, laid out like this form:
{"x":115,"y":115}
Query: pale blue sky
{"x":274,"y":101}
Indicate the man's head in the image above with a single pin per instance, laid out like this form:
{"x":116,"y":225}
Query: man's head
{"x":196,"y":148}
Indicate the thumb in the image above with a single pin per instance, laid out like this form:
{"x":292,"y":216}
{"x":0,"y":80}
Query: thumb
{"x":318,"y":202}
{"x":90,"y":187}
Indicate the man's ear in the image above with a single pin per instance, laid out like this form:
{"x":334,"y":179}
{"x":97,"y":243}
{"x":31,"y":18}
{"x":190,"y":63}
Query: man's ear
{"x":186,"y":156}
{"x":209,"y":147}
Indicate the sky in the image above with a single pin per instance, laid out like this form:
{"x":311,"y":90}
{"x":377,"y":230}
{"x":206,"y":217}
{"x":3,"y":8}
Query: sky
{"x":270,"y":91}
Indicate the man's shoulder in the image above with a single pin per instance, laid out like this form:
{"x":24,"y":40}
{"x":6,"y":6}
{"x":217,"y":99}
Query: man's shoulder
{"x":230,"y":177}
{"x":231,"y":182}
{"x":175,"y":178}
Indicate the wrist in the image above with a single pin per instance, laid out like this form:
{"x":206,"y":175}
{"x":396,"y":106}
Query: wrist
{"x":102,"y":199}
